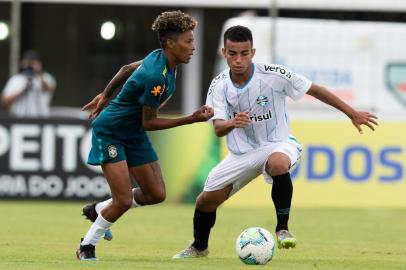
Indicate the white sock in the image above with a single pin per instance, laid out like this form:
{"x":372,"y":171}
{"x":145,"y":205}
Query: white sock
{"x":96,"y":231}
{"x":101,"y":205}
{"x":135,"y":204}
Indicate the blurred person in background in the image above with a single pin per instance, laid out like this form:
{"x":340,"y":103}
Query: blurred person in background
{"x":29,"y":93}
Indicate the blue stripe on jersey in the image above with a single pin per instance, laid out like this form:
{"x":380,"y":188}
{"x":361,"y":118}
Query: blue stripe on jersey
{"x":234,"y":140}
{"x":274,"y":111}
{"x":225,"y":98}
{"x":286,"y":115}
{"x":263,"y":110}
{"x":232,"y":135}
{"x":256,"y":144}
{"x":239,"y":108}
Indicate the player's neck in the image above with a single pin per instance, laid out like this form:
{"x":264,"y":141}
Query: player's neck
{"x":171,"y":61}
{"x":239,"y":80}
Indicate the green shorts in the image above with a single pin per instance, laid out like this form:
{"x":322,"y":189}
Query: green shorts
{"x":109,"y":150}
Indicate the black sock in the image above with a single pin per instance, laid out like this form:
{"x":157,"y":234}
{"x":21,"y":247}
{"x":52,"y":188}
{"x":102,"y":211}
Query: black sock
{"x":282,"y":190}
{"x":202,"y":224}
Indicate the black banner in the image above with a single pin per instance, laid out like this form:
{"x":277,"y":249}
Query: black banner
{"x":46,"y":159}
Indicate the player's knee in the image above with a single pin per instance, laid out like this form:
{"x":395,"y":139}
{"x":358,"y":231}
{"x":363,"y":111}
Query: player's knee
{"x":278,"y":168}
{"x":158,"y":196}
{"x":123,"y":204}
{"x":205,"y":204}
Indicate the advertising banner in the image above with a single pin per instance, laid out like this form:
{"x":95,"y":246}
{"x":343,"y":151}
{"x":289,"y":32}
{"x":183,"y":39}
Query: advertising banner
{"x":46,"y":159}
{"x":340,"y":167}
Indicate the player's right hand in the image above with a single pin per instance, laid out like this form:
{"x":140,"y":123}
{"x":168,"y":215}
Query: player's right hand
{"x":96,"y":105}
{"x":204,"y":113}
{"x":241,"y":120}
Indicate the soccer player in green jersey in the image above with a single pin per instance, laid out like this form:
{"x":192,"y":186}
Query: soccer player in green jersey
{"x":119,"y":141}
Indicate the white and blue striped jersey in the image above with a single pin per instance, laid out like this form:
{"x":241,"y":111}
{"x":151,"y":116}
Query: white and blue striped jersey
{"x":263,"y":96}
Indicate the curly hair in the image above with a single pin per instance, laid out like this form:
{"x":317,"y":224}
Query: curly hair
{"x":169,"y":24}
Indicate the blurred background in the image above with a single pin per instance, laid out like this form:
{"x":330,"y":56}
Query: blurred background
{"x":355,"y":48}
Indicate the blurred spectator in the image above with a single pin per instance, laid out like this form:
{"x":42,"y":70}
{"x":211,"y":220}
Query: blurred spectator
{"x":29,"y":93}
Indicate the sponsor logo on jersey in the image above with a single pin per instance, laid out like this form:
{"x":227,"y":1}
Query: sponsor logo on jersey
{"x":258,"y":118}
{"x":157,"y":90}
{"x":112,"y":151}
{"x":262,"y":100}
{"x":279,"y":70}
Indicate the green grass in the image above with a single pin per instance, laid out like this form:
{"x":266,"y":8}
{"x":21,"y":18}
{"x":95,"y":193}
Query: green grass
{"x":45,"y":235}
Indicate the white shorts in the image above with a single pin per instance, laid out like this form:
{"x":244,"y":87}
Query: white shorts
{"x":239,"y":170}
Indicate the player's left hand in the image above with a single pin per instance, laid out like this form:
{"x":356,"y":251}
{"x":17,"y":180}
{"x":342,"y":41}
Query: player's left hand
{"x":96,"y":105}
{"x":204,"y":113}
{"x":364,"y":118}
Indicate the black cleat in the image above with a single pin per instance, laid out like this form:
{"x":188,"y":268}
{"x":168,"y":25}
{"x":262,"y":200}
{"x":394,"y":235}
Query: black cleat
{"x":86,"y":252}
{"x":89,"y":211}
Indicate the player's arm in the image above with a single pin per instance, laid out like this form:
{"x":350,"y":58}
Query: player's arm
{"x":357,"y":118}
{"x":151,"y":121}
{"x":99,"y":102}
{"x":223,"y":127}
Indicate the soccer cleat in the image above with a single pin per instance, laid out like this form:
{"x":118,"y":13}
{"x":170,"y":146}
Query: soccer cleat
{"x":191,"y":252}
{"x":285,"y":239}
{"x":89,"y":211}
{"x":86,"y":252}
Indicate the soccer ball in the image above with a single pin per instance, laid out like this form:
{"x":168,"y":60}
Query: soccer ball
{"x":255,"y":246}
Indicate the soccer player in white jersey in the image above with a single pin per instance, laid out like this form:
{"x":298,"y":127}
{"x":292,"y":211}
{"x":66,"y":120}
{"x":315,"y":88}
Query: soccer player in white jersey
{"x":249,"y":108}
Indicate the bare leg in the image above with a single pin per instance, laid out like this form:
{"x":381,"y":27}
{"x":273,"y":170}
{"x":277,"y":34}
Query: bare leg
{"x":119,"y":181}
{"x":151,"y":186}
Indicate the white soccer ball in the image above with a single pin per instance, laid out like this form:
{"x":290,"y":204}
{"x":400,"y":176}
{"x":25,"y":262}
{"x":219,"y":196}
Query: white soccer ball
{"x":255,"y":246}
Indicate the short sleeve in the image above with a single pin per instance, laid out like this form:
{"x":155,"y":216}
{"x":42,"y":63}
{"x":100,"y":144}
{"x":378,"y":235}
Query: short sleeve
{"x":153,"y":89}
{"x":50,"y":80}
{"x":15,"y":85}
{"x":296,"y":85}
{"x":215,"y":99}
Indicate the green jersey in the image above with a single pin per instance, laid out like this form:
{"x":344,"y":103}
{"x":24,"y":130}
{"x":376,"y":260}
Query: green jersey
{"x":152,"y":84}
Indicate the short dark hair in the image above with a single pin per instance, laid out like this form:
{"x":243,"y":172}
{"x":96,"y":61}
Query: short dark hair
{"x":238,"y":33}
{"x":171,"y":23}
{"x":31,"y":55}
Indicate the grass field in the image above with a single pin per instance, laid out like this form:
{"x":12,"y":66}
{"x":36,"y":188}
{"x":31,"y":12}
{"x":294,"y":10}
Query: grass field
{"x":44,"y":236}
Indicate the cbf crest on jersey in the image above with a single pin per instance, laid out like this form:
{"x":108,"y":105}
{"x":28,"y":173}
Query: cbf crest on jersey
{"x":112,"y":149}
{"x":262,"y":100}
